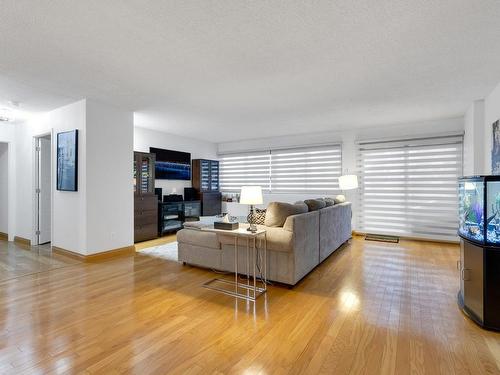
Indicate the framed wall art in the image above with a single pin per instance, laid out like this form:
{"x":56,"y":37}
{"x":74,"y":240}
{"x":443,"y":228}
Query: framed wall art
{"x":67,"y":161}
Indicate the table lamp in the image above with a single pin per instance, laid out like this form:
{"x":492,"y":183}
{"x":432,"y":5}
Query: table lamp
{"x":251,"y":195}
{"x":348,"y":182}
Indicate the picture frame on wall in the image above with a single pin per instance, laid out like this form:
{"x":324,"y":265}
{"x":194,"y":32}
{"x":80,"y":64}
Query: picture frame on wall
{"x":67,"y":161}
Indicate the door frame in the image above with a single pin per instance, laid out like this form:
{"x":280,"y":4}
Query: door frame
{"x":11,"y":186}
{"x":35,"y":177}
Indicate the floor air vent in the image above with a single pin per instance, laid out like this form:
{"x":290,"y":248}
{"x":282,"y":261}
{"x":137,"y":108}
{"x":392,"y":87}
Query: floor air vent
{"x":381,"y":238}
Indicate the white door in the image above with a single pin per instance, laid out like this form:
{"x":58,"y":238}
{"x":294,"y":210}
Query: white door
{"x":44,"y":196}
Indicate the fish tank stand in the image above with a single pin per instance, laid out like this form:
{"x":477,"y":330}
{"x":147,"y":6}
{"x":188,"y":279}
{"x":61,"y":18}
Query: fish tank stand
{"x":479,"y":264}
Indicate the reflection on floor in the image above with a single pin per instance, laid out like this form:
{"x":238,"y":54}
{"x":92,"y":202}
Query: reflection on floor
{"x":370,"y":308}
{"x":16,"y":260}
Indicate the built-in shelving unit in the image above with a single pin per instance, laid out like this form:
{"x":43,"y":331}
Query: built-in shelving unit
{"x":205,"y":180}
{"x":145,"y":201}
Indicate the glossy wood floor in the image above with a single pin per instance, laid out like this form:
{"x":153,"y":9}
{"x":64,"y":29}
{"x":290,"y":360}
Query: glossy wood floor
{"x":16,"y":261}
{"x":371,"y":308}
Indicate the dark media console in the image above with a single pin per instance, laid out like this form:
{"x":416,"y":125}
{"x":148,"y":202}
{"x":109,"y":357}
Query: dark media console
{"x":172,"y":215}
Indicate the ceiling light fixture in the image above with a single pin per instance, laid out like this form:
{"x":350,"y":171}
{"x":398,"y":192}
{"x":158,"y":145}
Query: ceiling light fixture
{"x":6,"y":115}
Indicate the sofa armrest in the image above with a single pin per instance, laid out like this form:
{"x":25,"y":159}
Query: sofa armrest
{"x":305,"y":228}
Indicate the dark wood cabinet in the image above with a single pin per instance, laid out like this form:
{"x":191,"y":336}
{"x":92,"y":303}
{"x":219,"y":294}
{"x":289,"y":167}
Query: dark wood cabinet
{"x":145,"y":201}
{"x":211,"y":203}
{"x":205,"y":175}
{"x":206,"y":182}
{"x":479,"y":295}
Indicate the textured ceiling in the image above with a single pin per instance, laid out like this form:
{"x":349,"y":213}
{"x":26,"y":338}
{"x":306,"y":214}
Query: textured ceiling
{"x":231,"y":69}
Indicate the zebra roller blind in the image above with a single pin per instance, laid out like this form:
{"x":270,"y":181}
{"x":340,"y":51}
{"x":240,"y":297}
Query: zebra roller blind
{"x":244,"y":169}
{"x":409,"y":187}
{"x":304,"y":169}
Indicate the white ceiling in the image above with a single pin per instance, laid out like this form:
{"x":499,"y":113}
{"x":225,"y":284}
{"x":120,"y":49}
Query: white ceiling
{"x":231,"y":69}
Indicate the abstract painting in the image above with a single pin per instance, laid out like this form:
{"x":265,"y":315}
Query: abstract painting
{"x":67,"y":161}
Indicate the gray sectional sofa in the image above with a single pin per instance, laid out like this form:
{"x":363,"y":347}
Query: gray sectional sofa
{"x":293,"y":250}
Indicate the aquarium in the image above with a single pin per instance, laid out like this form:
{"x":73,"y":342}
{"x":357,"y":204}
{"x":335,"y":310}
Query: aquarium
{"x":479,"y":209}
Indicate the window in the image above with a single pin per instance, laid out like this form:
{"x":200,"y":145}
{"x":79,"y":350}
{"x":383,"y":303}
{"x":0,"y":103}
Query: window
{"x":409,"y":187}
{"x":293,"y":170}
{"x":251,"y":168}
{"x":311,"y":169}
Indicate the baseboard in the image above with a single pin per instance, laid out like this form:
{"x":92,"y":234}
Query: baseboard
{"x":4,"y":236}
{"x":95,"y":258}
{"x":68,"y":253}
{"x":22,"y":241}
{"x":115,"y":253}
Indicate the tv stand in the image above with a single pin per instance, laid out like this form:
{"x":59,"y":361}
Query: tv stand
{"x":172,"y":215}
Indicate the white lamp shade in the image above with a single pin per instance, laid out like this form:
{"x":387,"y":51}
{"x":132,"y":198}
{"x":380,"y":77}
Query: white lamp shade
{"x":251,"y":195}
{"x":348,"y":182}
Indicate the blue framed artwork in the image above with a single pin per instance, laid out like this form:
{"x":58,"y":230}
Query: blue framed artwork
{"x":67,"y":161}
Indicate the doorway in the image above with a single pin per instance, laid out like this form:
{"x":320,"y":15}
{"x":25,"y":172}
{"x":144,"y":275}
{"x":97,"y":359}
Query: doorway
{"x":43,"y":189}
{"x":4,"y":190}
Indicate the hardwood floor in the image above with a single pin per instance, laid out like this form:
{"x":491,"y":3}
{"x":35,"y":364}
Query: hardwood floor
{"x":19,"y":260}
{"x":371,"y":308}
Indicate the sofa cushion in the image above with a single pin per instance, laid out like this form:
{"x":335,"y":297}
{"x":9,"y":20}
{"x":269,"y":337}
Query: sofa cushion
{"x":315,"y":204}
{"x":204,"y":221}
{"x":198,"y":238}
{"x":329,"y":202}
{"x":339,"y":199}
{"x":278,"y":239}
{"x":277,"y":212}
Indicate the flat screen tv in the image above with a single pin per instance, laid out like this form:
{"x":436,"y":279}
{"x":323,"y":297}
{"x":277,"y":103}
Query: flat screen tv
{"x":172,"y":165}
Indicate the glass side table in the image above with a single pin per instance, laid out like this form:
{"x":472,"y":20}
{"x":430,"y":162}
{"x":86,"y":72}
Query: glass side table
{"x":249,"y":291}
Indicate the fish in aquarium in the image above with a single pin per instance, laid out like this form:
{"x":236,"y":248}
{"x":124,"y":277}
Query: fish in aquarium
{"x":471,"y":220}
{"x":493,"y":221}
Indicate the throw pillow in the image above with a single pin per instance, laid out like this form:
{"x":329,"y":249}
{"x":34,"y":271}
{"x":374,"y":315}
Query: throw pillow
{"x":258,"y":217}
{"x":339,"y":199}
{"x":315,"y":204}
{"x":277,"y":212}
{"x":329,"y":201}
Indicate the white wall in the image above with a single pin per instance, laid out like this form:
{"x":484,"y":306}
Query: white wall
{"x":4,"y":187}
{"x":99,"y":216}
{"x":68,"y":208}
{"x":491,"y":114}
{"x":145,"y":138}
{"x":348,"y":137}
{"x":8,"y":135}
{"x":109,"y":185}
{"x":474,"y":139}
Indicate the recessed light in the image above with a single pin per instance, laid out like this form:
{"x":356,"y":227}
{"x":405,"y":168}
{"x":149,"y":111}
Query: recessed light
{"x":6,"y":115}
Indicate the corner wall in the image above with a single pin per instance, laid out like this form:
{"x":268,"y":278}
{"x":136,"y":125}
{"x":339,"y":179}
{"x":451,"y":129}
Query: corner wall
{"x":68,"y":208}
{"x":4,"y":187}
{"x":491,"y":114}
{"x":109,"y":185}
{"x":99,"y":216}
{"x":474,"y":139}
{"x":8,"y":136}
